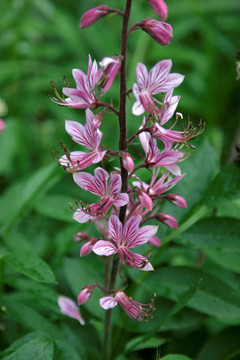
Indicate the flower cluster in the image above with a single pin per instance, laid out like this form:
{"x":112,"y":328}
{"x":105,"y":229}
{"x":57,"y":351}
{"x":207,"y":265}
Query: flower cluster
{"x":126,"y":201}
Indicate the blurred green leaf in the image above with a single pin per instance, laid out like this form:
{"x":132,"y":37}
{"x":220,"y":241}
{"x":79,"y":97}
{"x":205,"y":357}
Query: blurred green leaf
{"x":140,"y":343}
{"x":54,"y":206}
{"x":38,"y":348}
{"x":20,"y":195}
{"x":30,"y":265}
{"x":175,"y":357}
{"x":223,"y":345}
{"x":228,"y":260}
{"x":213,"y":233}
{"x":225,"y":186}
{"x":66,"y":351}
{"x":214,"y":297}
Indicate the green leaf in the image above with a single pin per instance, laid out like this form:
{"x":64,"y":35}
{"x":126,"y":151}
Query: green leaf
{"x":225,"y":186}
{"x":67,"y":352}
{"x":175,"y":357}
{"x":30,"y":265}
{"x":39,"y":348}
{"x":28,"y":318}
{"x":223,"y":345}
{"x":55,"y":207}
{"x":227,"y":260}
{"x":141,"y":342}
{"x":213,"y":233}
{"x":20,"y":195}
{"x":82,"y":272}
{"x":214,"y":297}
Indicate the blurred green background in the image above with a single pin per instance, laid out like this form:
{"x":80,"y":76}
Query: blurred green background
{"x":40,"y":42}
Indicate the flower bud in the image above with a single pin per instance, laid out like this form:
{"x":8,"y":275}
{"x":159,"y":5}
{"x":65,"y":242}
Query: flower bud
{"x":176,"y":200}
{"x":160,"y":8}
{"x":87,"y":247}
{"x":127,"y":161}
{"x":85,"y":294}
{"x":167,"y":220}
{"x":79,"y":236}
{"x":155,"y":241}
{"x":145,"y":200}
{"x":2,"y":125}
{"x":160,"y":31}
{"x":92,"y":15}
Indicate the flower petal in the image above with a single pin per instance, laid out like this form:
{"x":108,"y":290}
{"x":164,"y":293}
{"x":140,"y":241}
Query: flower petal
{"x":115,"y":184}
{"x":121,"y":200}
{"x":115,"y":229}
{"x":69,"y":308}
{"x":103,"y":247}
{"x":130,"y":229}
{"x":143,"y":235}
{"x":108,"y":302}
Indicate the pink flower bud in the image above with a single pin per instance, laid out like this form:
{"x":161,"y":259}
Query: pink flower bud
{"x":2,"y":125}
{"x":160,"y":31}
{"x":85,"y":294}
{"x":87,"y":247}
{"x":127,"y":161}
{"x":145,"y":200}
{"x":176,"y":200}
{"x":155,"y":241}
{"x":79,"y":236}
{"x":160,"y":8}
{"x":167,"y":220}
{"x":92,"y":15}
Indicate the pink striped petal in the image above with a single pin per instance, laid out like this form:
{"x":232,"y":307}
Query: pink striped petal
{"x":115,"y":184}
{"x":142,"y":75}
{"x":87,"y":182}
{"x":104,"y":248}
{"x":143,"y":235}
{"x":81,"y":217}
{"x":108,"y":302}
{"x":158,"y":75}
{"x":121,"y":200}
{"x":130,"y":229}
{"x":115,"y":229}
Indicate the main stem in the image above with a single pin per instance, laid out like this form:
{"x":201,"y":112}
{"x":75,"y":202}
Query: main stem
{"x":124,"y":173}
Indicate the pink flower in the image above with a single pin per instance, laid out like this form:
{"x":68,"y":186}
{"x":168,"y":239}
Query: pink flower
{"x":2,"y":125}
{"x":158,"y":80}
{"x":124,"y":238}
{"x":110,"y":67}
{"x":92,"y":15}
{"x":160,"y":8}
{"x":154,"y":158}
{"x":86,"y":249}
{"x":86,"y":136}
{"x":85,"y":96}
{"x":160,"y":31}
{"x":134,"y":309}
{"x":85,"y":294}
{"x":97,"y":185}
{"x":69,"y":308}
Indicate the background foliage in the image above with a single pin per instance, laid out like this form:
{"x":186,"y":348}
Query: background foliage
{"x":198,"y":265}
